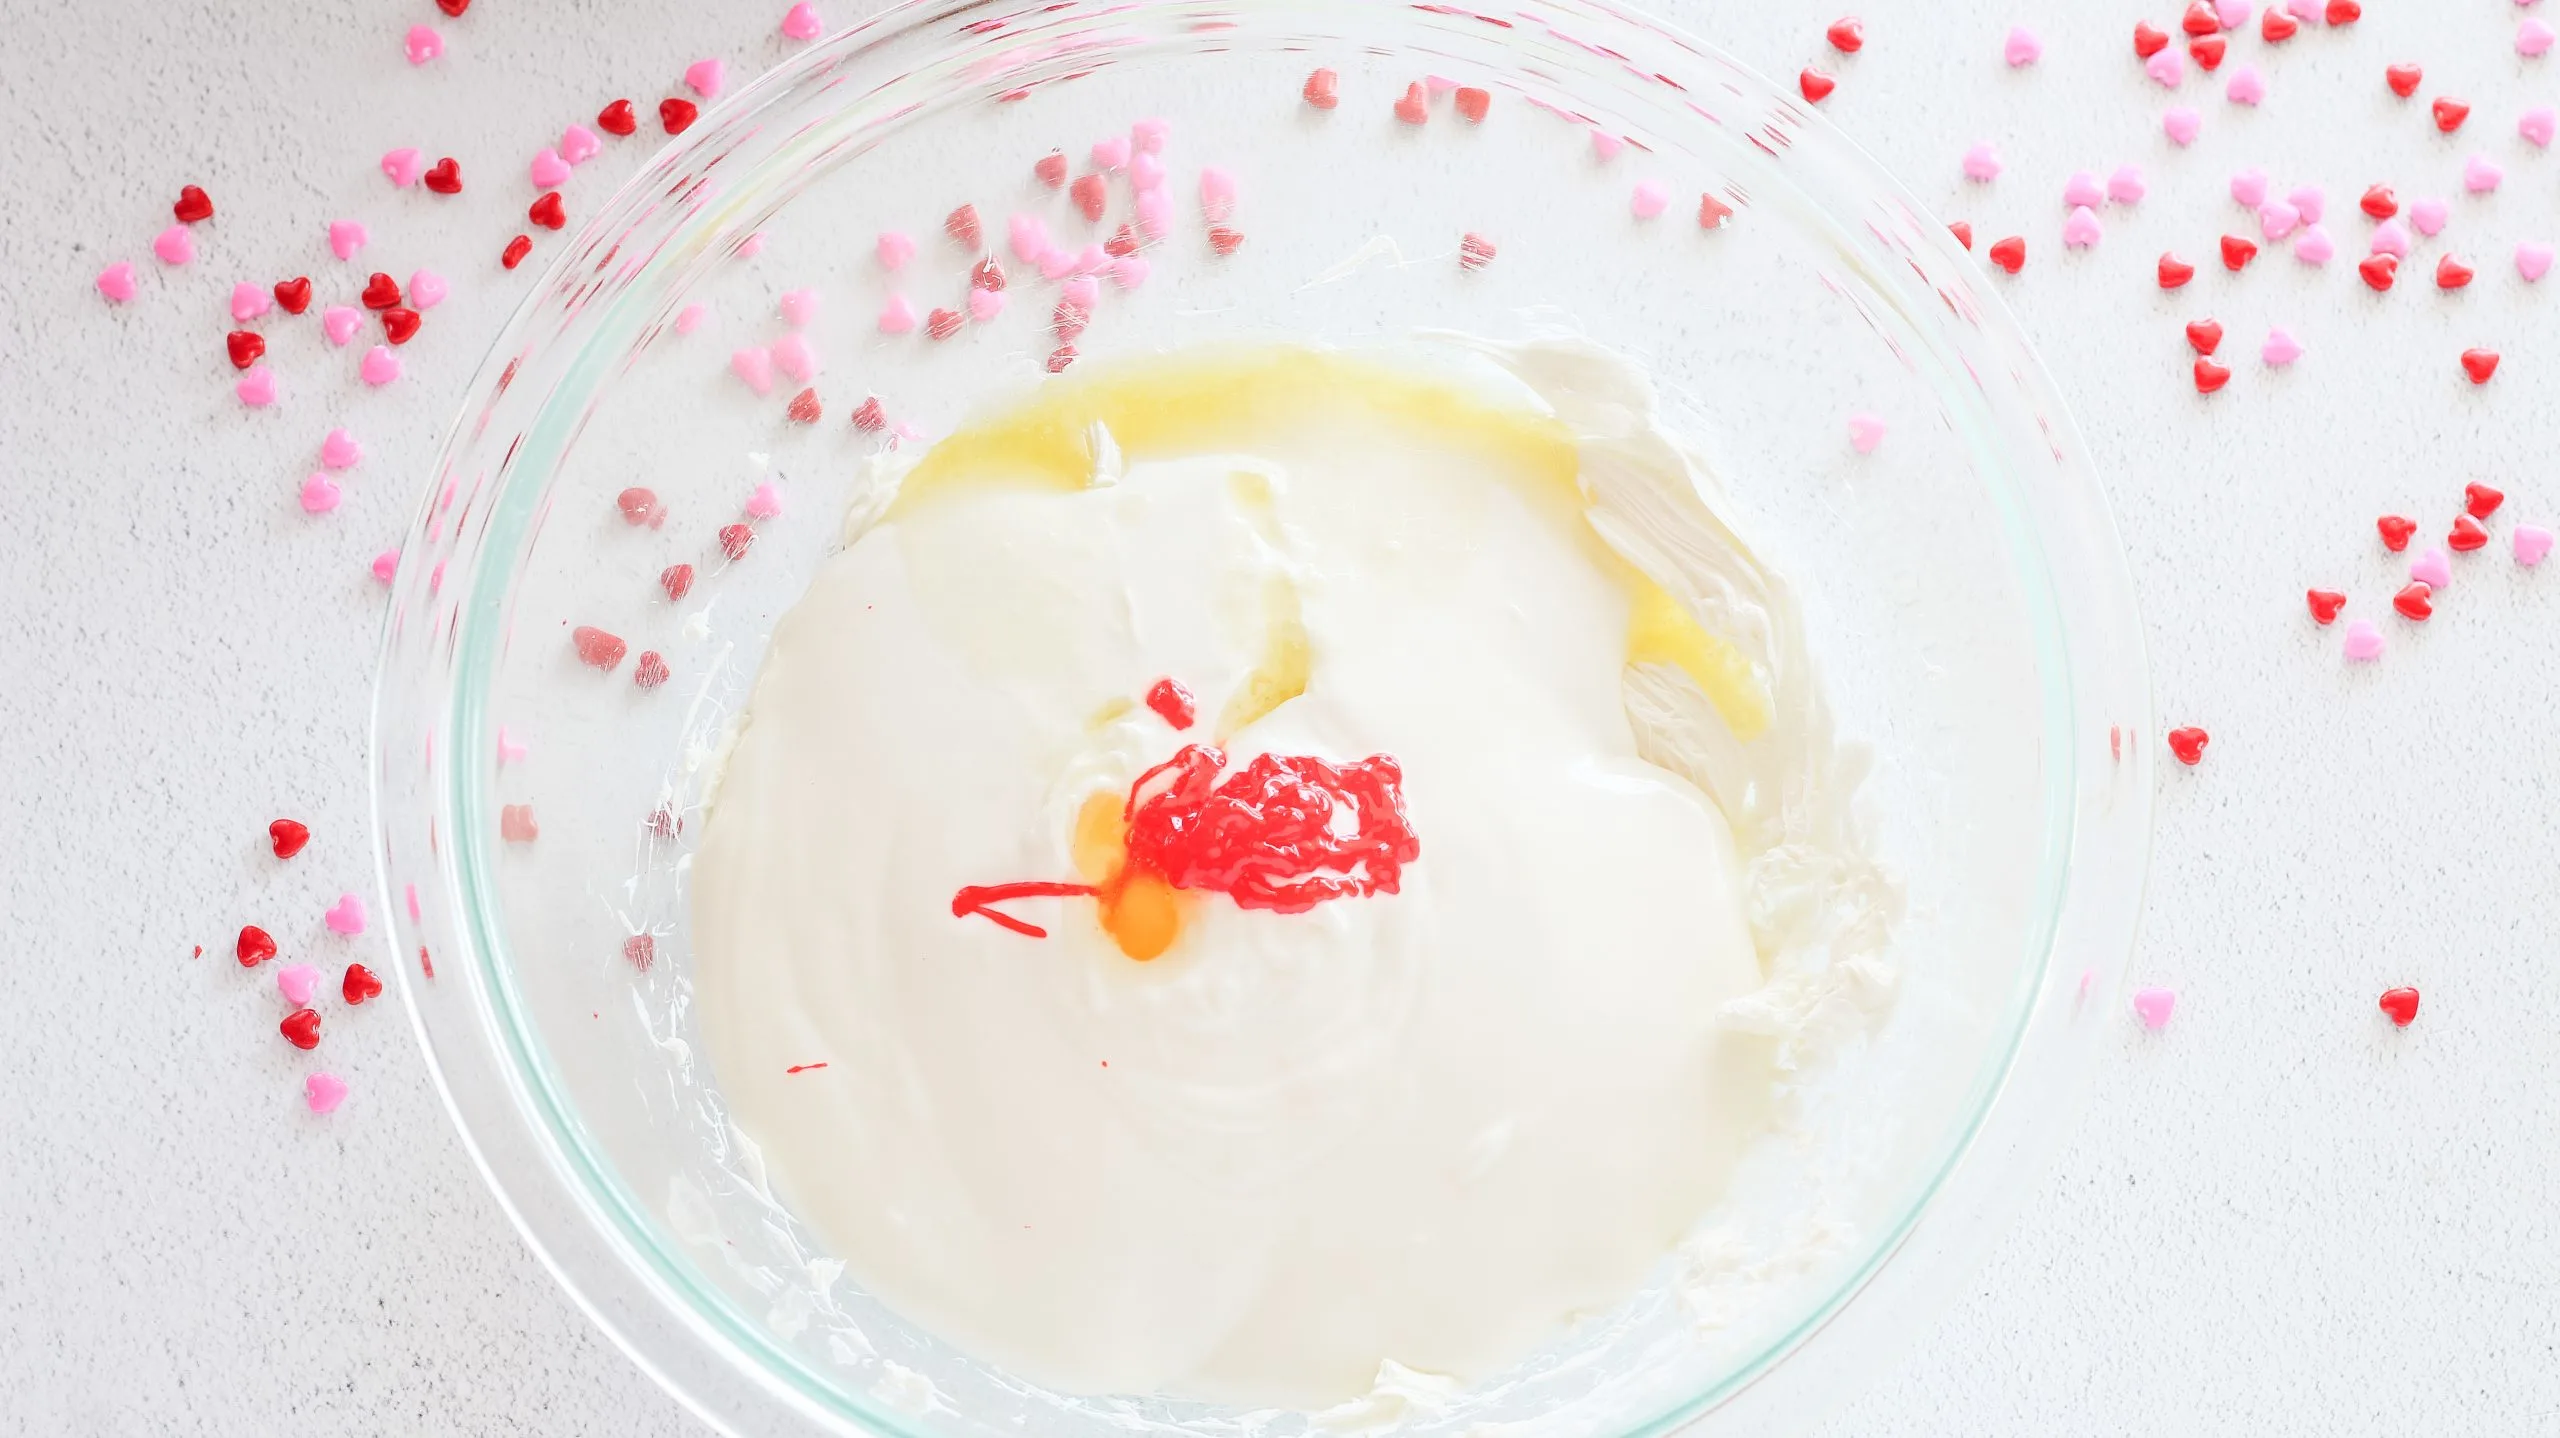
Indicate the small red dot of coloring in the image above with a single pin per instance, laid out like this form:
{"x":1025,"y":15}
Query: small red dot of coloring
{"x":2415,"y":601}
{"x":1815,"y":85}
{"x":381,"y":292}
{"x":301,"y":1028}
{"x":869,"y":417}
{"x":2379,"y":271}
{"x":287,"y":836}
{"x":2395,"y":531}
{"x":942,"y":324}
{"x":2480,"y":364}
{"x":2325,"y":605}
{"x":2010,"y":254}
{"x":651,"y":671}
{"x":2201,"y":19}
{"x":2451,"y":273}
{"x":2450,"y":113}
{"x":641,"y":950}
{"x":962,"y":225}
{"x":2210,"y":376}
{"x":1319,"y":91}
{"x":618,"y":118}
{"x":2480,"y":501}
{"x":193,"y":205}
{"x":2148,"y":39}
{"x":1225,"y":240}
{"x":517,"y":249}
{"x":803,"y":408}
{"x":2174,"y":272}
{"x":2205,"y":335}
{"x":2276,"y":26}
{"x":1415,"y":107}
{"x":444,"y":176}
{"x":1963,"y":231}
{"x":2208,"y":51}
{"x":596,"y":647}
{"x":677,"y":580}
{"x":199,"y":953}
{"x":293,"y":296}
{"x":1172,"y":703}
{"x":2379,"y":202}
{"x":1474,"y":251}
{"x":426,"y":965}
{"x":1846,"y":35}
{"x":2467,"y":535}
{"x":804,"y":1068}
{"x":1051,"y":168}
{"x":2343,"y":12}
{"x":2403,"y":79}
{"x":736,"y":540}
{"x":1473,"y":103}
{"x":359,"y":984}
{"x":2401,"y":1005}
{"x":1712,"y":213}
{"x":2237,"y":252}
{"x":399,"y":324}
{"x":676,"y":115}
{"x":245,"y":347}
{"x":2188,"y":744}
{"x":548,"y":211}
{"x":254,"y":946}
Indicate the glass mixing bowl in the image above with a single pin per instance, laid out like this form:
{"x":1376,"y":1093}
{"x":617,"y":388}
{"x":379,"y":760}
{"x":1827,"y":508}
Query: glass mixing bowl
{"x":1966,"y":603}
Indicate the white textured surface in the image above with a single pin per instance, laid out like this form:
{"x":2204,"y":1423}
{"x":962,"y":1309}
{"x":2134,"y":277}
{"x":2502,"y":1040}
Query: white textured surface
{"x":2278,"y":1216}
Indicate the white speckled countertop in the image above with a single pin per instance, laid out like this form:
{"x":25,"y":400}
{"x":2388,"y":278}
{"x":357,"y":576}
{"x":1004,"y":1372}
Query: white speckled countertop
{"x":2278,"y":1216}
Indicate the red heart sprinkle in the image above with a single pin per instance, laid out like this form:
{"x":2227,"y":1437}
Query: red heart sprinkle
{"x":381,"y":292}
{"x":641,"y":950}
{"x":2395,"y":531}
{"x":445,"y":176}
{"x":869,"y":417}
{"x":547,"y":211}
{"x":2201,"y":19}
{"x":2174,"y":272}
{"x":245,"y":347}
{"x":1052,"y":169}
{"x":1123,"y":241}
{"x":2403,"y":79}
{"x":2378,"y":270}
{"x":2401,"y":1005}
{"x":2451,"y":273}
{"x":2188,"y":744}
{"x":1225,"y":239}
{"x":2344,"y":12}
{"x":651,"y":671}
{"x":2467,"y":535}
{"x":1068,"y":320}
{"x":596,"y":647}
{"x":962,"y":225}
{"x":1319,"y":89}
{"x":676,"y":114}
{"x":2450,"y":113}
{"x":399,"y":323}
{"x":638,"y":506}
{"x":1475,"y":251}
{"x":617,"y":118}
{"x":2276,"y":26}
{"x":301,"y":1028}
{"x":293,"y":296}
{"x":359,"y":985}
{"x":2210,"y":376}
{"x":1473,"y":103}
{"x":2479,"y":364}
{"x":1712,"y":213}
{"x":1090,"y":193}
{"x":2237,"y":251}
{"x":453,"y":8}
{"x":287,"y":836}
{"x":1413,"y":109}
{"x":193,"y":205}
{"x":942,"y":324}
{"x":2379,"y":202}
{"x":1963,"y":231}
{"x":1846,"y":35}
{"x":2148,"y":39}
{"x":516,"y":250}
{"x":2325,"y":604}
{"x":2205,"y":335}
{"x":255,"y":946}
{"x":677,"y":580}
{"x":736,"y":540}
{"x":1815,"y":84}
{"x":2480,"y":501}
{"x":1060,"y":358}
{"x":2010,"y":254}
{"x":2411,"y":601}
{"x":803,"y":408}
{"x":2208,"y":51}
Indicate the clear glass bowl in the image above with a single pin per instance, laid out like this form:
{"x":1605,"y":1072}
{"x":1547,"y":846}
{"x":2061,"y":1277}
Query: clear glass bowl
{"x":1967,"y":604}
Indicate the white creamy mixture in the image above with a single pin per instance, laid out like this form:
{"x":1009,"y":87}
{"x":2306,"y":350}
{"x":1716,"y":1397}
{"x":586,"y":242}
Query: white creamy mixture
{"x":1431,"y":1127}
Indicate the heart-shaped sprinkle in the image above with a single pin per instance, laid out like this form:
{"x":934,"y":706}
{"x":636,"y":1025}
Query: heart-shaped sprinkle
{"x":765,"y":502}
{"x":2210,"y":376}
{"x":2276,"y":26}
{"x":2249,"y":188}
{"x":193,"y":205}
{"x":2153,"y":1007}
{"x":2538,"y":125}
{"x":346,"y":237}
{"x":380,"y":366}
{"x":2277,"y":219}
{"x":1111,"y":153}
{"x":548,"y":170}
{"x":596,"y":647}
{"x":2201,"y":18}
{"x":517,"y":825}
{"x":2364,"y":642}
{"x":2023,"y":47}
{"x":2181,"y":124}
{"x":962,"y":226}
{"x":2532,"y":543}
{"x":320,"y":493}
{"x":1650,"y":199}
{"x":2533,"y":38}
{"x":676,"y":580}
{"x":2310,"y":201}
{"x":618,"y":118}
{"x":754,"y":364}
{"x":2403,"y":79}
{"x":1474,"y":252}
{"x":1067,"y":321}
{"x":897,"y":316}
{"x":339,"y":323}
{"x":2148,"y":39}
{"x":1415,"y":106}
{"x":2314,"y":247}
{"x":2379,"y":271}
{"x":2342,"y":12}
{"x":1982,"y":162}
{"x":2379,"y":202}
{"x":509,"y":750}
{"x":800,"y":22}
{"x":795,"y":356}
{"x":2395,"y":531}
{"x":427,"y":289}
{"x":1963,"y":231}
{"x":2175,"y":272}
{"x":2009,"y":254}
{"x":548,"y":211}
{"x":398,"y":324}
{"x":639,"y":505}
{"x":2082,"y":229}
{"x":386,"y":566}
{"x":1028,"y":235}
{"x":116,"y":281}
{"x":578,"y":144}
{"x":339,"y":450}
{"x":2479,"y":364}
{"x":346,"y":916}
{"x":1146,"y":172}
{"x":257,"y":388}
{"x":706,"y":77}
{"x":675,"y":114}
{"x":2205,"y":335}
{"x":2480,"y":501}
{"x":869,"y":417}
{"x":1155,"y":214}
{"x":381,"y":292}
{"x":2480,"y":174}
{"x":2325,"y":604}
{"x":2125,"y":186}
{"x":297,"y":982}
{"x":246,"y":346}
{"x":652,"y":671}
{"x":1866,"y":431}
{"x":2281,"y":347}
{"x":2166,"y":69}
{"x":1083,"y":292}
{"x":1846,"y":35}
{"x":254,"y":946}
{"x":517,"y":248}
{"x":2450,"y":113}
{"x":2208,"y":51}
{"x":2431,"y":568}
{"x":2391,"y":238}
{"x":735,"y":541}
{"x":422,"y":44}
{"x":287,"y":836}
{"x":2237,"y":252}
{"x":2246,"y":86}
{"x":1090,"y":193}
{"x":2309,"y":12}
{"x":174,"y":245}
{"x":2412,"y":602}
{"x":323,"y":1092}
{"x":1473,"y":104}
{"x":2082,"y":189}
{"x":2451,"y":273}
{"x":1815,"y":85}
{"x":2235,"y":13}
{"x":248,"y":302}
{"x":985,"y":305}
{"x":301,"y":1028}
{"x":402,"y":167}
{"x":444,"y":176}
{"x":2401,"y":1005}
{"x":1321,"y":90}
{"x":2467,"y":535}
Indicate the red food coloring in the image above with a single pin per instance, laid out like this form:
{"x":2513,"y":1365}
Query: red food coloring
{"x":293,"y":296}
{"x":1123,"y":242}
{"x":677,"y":114}
{"x":962,"y":225}
{"x":2467,"y":535}
{"x":426,"y":965}
{"x":1172,"y":703}
{"x":869,"y":417}
{"x":2401,"y":1006}
{"x":1963,"y":231}
{"x":193,"y":205}
{"x":547,"y":211}
{"x":2450,"y":113}
{"x":2237,"y":251}
{"x":651,"y":671}
{"x":287,"y":836}
{"x":2395,"y":531}
{"x":2201,"y":19}
{"x":1712,"y":213}
{"x":803,"y":408}
{"x":453,"y":8}
{"x":359,"y":984}
{"x":942,"y":324}
{"x":805,"y":1068}
{"x":639,"y":506}
{"x":2174,"y":272}
{"x":2325,"y":605}
{"x":640,"y":951}
{"x":2403,"y":79}
{"x":2479,"y":364}
{"x":1051,"y":169}
{"x":1474,"y":251}
{"x":2188,"y":744}
{"x":2379,"y":202}
{"x":1225,"y":239}
{"x":2379,"y":271}
{"x":2343,"y":12}
{"x":980,"y":899}
{"x":2210,"y":376}
{"x":399,"y":324}
{"x":1814,"y":85}
{"x":516,"y":250}
{"x":677,"y":580}
{"x":1415,"y":107}
{"x":2208,"y":51}
{"x":1091,"y":194}
{"x":245,"y":347}
{"x":2010,"y":254}
{"x":254,"y":947}
{"x":618,"y":118}
{"x":2205,"y":335}
{"x":2412,"y":601}
{"x":1846,"y":35}
{"x":1060,"y":358}
{"x":1473,"y":103}
{"x":301,"y":1028}
{"x":381,"y":292}
{"x":2480,"y":501}
{"x":2276,"y":26}
{"x":596,"y":647}
{"x":736,"y":540}
{"x":2148,"y":39}
{"x":444,"y":176}
{"x":1320,"y":89}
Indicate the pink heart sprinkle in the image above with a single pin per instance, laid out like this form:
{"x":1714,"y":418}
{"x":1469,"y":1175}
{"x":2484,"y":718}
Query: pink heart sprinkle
{"x":346,"y":916}
{"x":2533,"y":259}
{"x":2249,"y":187}
{"x":2309,"y":12}
{"x":2182,"y":124}
{"x":796,"y":357}
{"x":2538,"y":124}
{"x":1650,"y":199}
{"x":1982,"y":162}
{"x":751,"y":246}
{"x":2427,"y":216}
{"x":705,"y":77}
{"x":1092,"y":260}
{"x":1439,"y":84}
{"x":1130,"y":271}
{"x":2310,"y":201}
{"x":2313,"y":246}
{"x":346,"y":237}
{"x":548,"y":170}
{"x":2082,"y":229}
{"x":690,"y":318}
{"x":423,"y":44}
{"x":257,"y":388}
{"x":427,"y":289}
{"x":799,"y":307}
{"x":578,"y":144}
{"x":1155,"y":214}
{"x":2167,"y":65}
{"x":116,"y":281}
{"x":2431,"y":569}
{"x":985,"y":305}
{"x":2153,"y":1006}
{"x":174,"y":245}
{"x":2023,"y":47}
{"x":754,"y":364}
{"x":2276,"y":219}
{"x":1605,"y":146}
{"x":298,"y":982}
{"x":2232,"y":13}
{"x":319,"y":494}
{"x":2364,"y":642}
{"x":1029,"y":236}
{"x":1146,"y":171}
{"x":1866,"y":431}
{"x":403,"y":166}
{"x":894,"y":248}
{"x":2391,"y":238}
{"x":2125,"y":186}
{"x":897,"y":317}
{"x":800,"y":22}
{"x":2081,"y":189}
{"x":1056,"y":264}
{"x":1082,"y":291}
{"x":517,"y":825}
{"x":2532,"y":543}
{"x":1111,"y":154}
{"x":2281,"y":347}
{"x":386,"y":565}
{"x":1217,"y":194}
{"x":2246,"y":86}
{"x":249,"y":301}
{"x":1150,"y":134}
{"x":324,"y":1092}
{"x":380,"y":366}
{"x":2480,"y":174}
{"x":765,"y":503}
{"x":509,"y":751}
{"x":339,"y":323}
{"x":2533,"y":38}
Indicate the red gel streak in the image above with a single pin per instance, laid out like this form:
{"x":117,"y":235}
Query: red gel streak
{"x":1173,"y":702}
{"x":975,"y":899}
